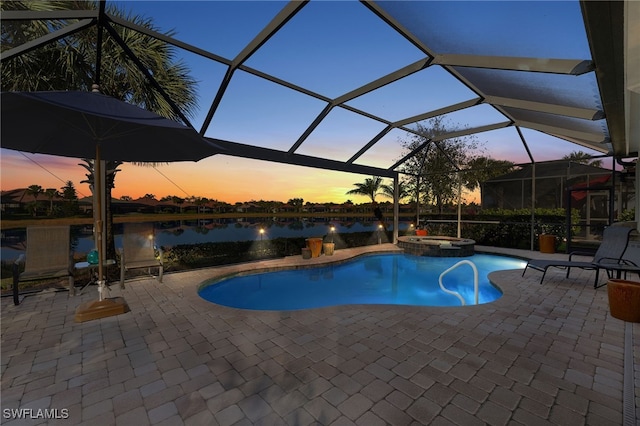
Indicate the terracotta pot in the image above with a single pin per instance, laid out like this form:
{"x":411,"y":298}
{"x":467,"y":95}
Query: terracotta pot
{"x":315,"y":245}
{"x":624,"y":299}
{"x":421,"y":232}
{"x":328,"y":248}
{"x":547,"y":243}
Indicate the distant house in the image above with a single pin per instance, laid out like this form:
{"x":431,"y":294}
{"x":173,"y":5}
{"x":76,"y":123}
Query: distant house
{"x":145,"y":205}
{"x":406,"y":209}
{"x":286,"y":208}
{"x":20,"y":200}
{"x":319,"y":208}
{"x":347,"y":207}
{"x":247,"y":208}
{"x":218,"y":206}
{"x":11,"y":201}
{"x":336,"y":208}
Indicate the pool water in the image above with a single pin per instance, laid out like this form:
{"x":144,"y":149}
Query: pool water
{"x":388,"y":279}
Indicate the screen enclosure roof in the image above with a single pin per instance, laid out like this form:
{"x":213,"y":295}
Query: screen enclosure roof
{"x":337,"y":84}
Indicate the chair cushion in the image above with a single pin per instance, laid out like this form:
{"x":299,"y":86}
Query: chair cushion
{"x":43,"y":273}
{"x":142,"y":264}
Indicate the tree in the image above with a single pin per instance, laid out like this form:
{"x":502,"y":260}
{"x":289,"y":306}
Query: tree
{"x":481,"y":169}
{"x":297,"y":203}
{"x":179,"y":201}
{"x":582,"y":158}
{"x":70,"y":64}
{"x":70,"y":197}
{"x":433,"y":171}
{"x":51,"y":193}
{"x":34,"y":191}
{"x":369,"y":188}
{"x":403,"y":191}
{"x":69,"y":191}
{"x":200,"y":202}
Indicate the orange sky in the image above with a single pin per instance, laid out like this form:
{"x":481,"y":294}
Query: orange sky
{"x":220,"y":177}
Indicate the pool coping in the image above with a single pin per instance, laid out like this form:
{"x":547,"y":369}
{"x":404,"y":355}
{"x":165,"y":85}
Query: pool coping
{"x":294,"y":262}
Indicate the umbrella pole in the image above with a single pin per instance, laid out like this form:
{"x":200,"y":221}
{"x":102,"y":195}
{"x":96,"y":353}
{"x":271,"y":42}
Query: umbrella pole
{"x":97,"y":183}
{"x":102,"y":307}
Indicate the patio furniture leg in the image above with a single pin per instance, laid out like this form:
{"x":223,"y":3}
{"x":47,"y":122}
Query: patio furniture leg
{"x":16,"y":279}
{"x":543,"y":274}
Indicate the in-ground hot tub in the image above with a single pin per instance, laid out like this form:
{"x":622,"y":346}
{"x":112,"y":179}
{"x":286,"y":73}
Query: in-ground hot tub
{"x":437,"y":246}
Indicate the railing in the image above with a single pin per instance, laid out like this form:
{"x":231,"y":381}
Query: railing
{"x":475,"y":281}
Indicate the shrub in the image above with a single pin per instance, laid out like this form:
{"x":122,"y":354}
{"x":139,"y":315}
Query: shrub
{"x":508,"y":228}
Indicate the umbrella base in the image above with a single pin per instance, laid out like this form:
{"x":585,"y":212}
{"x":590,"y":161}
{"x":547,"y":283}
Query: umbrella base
{"x":95,"y":309}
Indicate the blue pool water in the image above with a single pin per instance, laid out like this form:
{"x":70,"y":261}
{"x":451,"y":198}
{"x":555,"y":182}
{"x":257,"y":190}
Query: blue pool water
{"x":391,"y":279}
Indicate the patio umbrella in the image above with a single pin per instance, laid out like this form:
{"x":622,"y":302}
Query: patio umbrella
{"x":92,"y":125}
{"x":76,"y":124}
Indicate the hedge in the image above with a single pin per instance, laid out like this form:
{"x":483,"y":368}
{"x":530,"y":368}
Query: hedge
{"x":511,"y":228}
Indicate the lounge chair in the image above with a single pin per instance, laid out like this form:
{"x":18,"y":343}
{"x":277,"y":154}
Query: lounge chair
{"x":138,"y":250}
{"x":629,"y":264}
{"x":612,"y":248}
{"x":48,"y":256}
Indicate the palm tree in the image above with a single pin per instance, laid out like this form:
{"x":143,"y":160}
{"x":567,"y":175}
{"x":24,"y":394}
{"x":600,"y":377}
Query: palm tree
{"x":403,"y":190}
{"x":51,"y":193}
{"x":70,"y":64}
{"x":582,"y":157}
{"x":34,"y":191}
{"x":369,"y":188}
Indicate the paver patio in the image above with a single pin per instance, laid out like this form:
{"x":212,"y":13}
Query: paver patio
{"x":541,"y":354}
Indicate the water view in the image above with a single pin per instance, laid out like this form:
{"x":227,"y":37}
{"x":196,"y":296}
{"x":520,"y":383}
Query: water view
{"x":169,"y":234}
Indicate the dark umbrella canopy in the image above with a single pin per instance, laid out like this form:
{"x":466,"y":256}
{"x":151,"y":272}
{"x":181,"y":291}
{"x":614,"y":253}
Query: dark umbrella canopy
{"x":92,"y":125}
{"x":73,"y":124}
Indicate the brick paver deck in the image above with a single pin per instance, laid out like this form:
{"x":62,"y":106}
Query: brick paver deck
{"x":541,"y":354}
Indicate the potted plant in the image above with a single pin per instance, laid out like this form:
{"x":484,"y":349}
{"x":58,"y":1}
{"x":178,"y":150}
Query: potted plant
{"x":624,"y":299}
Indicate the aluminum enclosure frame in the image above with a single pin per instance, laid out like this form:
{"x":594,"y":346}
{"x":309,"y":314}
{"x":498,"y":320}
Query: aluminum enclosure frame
{"x":609,"y":27}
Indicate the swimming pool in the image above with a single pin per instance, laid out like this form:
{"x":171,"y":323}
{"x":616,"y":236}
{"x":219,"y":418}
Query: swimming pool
{"x":391,"y":279}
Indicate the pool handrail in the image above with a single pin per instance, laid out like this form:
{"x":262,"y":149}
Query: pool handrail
{"x":475,"y":280}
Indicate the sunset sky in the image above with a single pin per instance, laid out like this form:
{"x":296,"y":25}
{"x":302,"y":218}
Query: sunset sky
{"x":341,"y":60}
{"x":220,"y":177}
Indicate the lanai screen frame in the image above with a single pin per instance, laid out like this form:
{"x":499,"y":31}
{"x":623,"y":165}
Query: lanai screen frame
{"x":607,"y":29}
